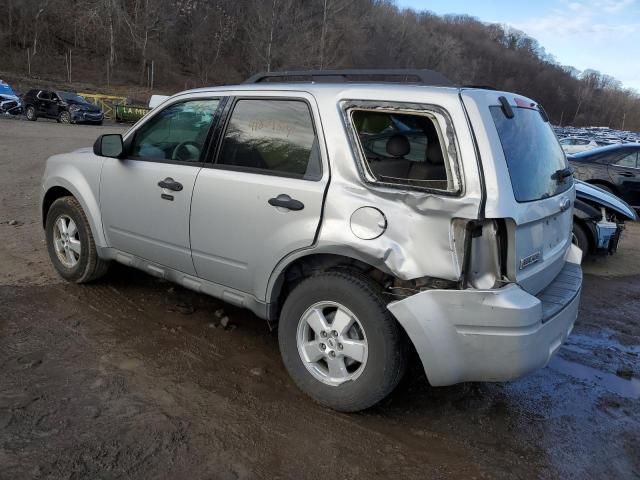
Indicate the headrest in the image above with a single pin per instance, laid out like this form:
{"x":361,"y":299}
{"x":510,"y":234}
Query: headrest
{"x":434,"y":153}
{"x":398,"y":146}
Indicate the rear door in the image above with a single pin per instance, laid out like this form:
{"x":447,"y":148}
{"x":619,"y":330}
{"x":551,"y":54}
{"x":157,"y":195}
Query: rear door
{"x":625,"y":174}
{"x":527,"y":183}
{"x":262,"y":198}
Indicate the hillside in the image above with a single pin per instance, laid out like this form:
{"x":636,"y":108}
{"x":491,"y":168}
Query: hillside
{"x":169,"y":45}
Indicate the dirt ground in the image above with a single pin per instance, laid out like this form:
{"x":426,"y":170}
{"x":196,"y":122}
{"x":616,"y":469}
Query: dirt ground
{"x":133,"y":377}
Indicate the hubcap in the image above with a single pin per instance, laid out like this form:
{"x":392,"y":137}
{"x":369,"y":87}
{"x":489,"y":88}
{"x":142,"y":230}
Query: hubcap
{"x":64,"y":117}
{"x":332,"y":343}
{"x":66,"y":241}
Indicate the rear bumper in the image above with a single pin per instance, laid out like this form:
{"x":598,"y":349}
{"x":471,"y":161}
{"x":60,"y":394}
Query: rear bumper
{"x":491,"y":335}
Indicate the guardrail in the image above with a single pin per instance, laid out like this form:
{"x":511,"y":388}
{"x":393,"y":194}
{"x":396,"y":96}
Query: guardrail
{"x":107,"y":103}
{"x":116,"y":108}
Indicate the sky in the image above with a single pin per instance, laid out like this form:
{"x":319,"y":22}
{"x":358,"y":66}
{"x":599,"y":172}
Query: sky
{"x":603,"y":35}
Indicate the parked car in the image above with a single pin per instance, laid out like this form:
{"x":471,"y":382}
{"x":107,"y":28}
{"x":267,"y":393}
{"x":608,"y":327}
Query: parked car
{"x":65,"y":107}
{"x":577,"y":144}
{"x":599,"y":134}
{"x":269,"y":195}
{"x":615,"y":168}
{"x":598,"y":219}
{"x":10,"y":105}
{"x":10,"y":102}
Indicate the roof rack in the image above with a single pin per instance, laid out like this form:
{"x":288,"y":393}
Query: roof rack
{"x":417,"y":76}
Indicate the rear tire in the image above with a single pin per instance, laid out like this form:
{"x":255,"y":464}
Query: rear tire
{"x":357,"y":325}
{"x":604,"y":187}
{"x":30,"y":113}
{"x":580,"y":238}
{"x":73,"y":253}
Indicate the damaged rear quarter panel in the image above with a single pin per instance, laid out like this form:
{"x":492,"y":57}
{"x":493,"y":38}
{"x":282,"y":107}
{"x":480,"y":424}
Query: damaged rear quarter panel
{"x":419,"y":239}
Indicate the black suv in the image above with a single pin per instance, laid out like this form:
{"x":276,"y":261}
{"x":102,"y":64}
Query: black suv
{"x":65,"y":107}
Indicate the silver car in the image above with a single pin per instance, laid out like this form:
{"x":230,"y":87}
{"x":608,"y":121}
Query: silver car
{"x":367,"y":219}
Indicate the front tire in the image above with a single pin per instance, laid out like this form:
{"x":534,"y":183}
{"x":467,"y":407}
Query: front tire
{"x":64,"y":117}
{"x":580,"y":238}
{"x":605,"y":187}
{"x":339,"y":342}
{"x":31,"y":114}
{"x":70,"y":243}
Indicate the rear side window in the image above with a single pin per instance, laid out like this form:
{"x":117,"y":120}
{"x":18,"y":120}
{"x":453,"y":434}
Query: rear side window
{"x":272,"y":137}
{"x":532,"y":152}
{"x":402,"y":148}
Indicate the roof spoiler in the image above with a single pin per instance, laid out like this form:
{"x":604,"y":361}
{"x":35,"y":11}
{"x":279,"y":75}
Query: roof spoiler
{"x":415,"y":76}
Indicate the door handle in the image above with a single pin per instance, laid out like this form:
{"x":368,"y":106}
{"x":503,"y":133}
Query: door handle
{"x":170,"y":184}
{"x":285,"y":201}
{"x":626,"y":174}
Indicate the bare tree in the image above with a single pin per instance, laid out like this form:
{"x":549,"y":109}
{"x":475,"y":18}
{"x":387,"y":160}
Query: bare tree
{"x":197,"y":42}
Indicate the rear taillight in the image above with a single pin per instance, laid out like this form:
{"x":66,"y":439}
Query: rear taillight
{"x":485,"y":254}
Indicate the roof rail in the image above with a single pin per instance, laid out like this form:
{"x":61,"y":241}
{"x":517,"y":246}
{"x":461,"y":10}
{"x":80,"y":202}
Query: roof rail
{"x":417,"y":76}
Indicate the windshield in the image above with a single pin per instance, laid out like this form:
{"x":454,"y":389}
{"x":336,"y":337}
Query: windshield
{"x":533,"y":154}
{"x":72,"y":97}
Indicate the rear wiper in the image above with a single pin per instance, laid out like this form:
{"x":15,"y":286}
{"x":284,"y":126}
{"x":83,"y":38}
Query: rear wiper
{"x":560,"y":175}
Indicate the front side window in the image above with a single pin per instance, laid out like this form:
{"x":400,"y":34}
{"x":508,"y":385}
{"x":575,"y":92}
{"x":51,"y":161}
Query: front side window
{"x":402,"y":148}
{"x":272,"y":137}
{"x":532,"y":153}
{"x":629,"y":161}
{"x":177,"y":133}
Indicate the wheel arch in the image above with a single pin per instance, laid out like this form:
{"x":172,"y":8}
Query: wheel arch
{"x":297,"y":267}
{"x":81,"y":191}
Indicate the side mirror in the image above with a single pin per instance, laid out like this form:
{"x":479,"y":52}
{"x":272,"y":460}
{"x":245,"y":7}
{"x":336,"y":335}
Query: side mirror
{"x":109,"y":145}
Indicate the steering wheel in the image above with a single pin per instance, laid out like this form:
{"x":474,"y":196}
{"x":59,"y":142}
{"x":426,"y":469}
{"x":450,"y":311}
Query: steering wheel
{"x":190,"y":147}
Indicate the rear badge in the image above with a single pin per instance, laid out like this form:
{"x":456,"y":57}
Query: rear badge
{"x":531,"y":259}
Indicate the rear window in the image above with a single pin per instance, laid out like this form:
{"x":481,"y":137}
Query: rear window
{"x":532,"y":152}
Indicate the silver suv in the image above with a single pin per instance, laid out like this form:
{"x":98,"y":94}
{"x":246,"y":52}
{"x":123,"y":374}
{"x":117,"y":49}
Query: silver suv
{"x":368,"y":218}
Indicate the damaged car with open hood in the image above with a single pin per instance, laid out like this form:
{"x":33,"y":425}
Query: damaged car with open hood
{"x":599,"y":219}
{"x":366,"y":214}
{"x":10,"y":103}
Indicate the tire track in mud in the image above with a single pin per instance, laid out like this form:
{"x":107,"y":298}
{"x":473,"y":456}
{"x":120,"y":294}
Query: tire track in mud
{"x":129,"y":382}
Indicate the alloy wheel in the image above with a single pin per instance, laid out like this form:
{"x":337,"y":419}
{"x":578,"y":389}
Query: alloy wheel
{"x":332,"y":343}
{"x":66,"y":241}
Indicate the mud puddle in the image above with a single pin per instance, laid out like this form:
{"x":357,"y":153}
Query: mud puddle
{"x":613,"y":383}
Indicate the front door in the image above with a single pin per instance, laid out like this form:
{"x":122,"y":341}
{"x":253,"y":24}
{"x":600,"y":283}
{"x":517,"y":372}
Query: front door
{"x":145,"y":198}
{"x":53,"y":109}
{"x":43,"y":104}
{"x":263,"y":197}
